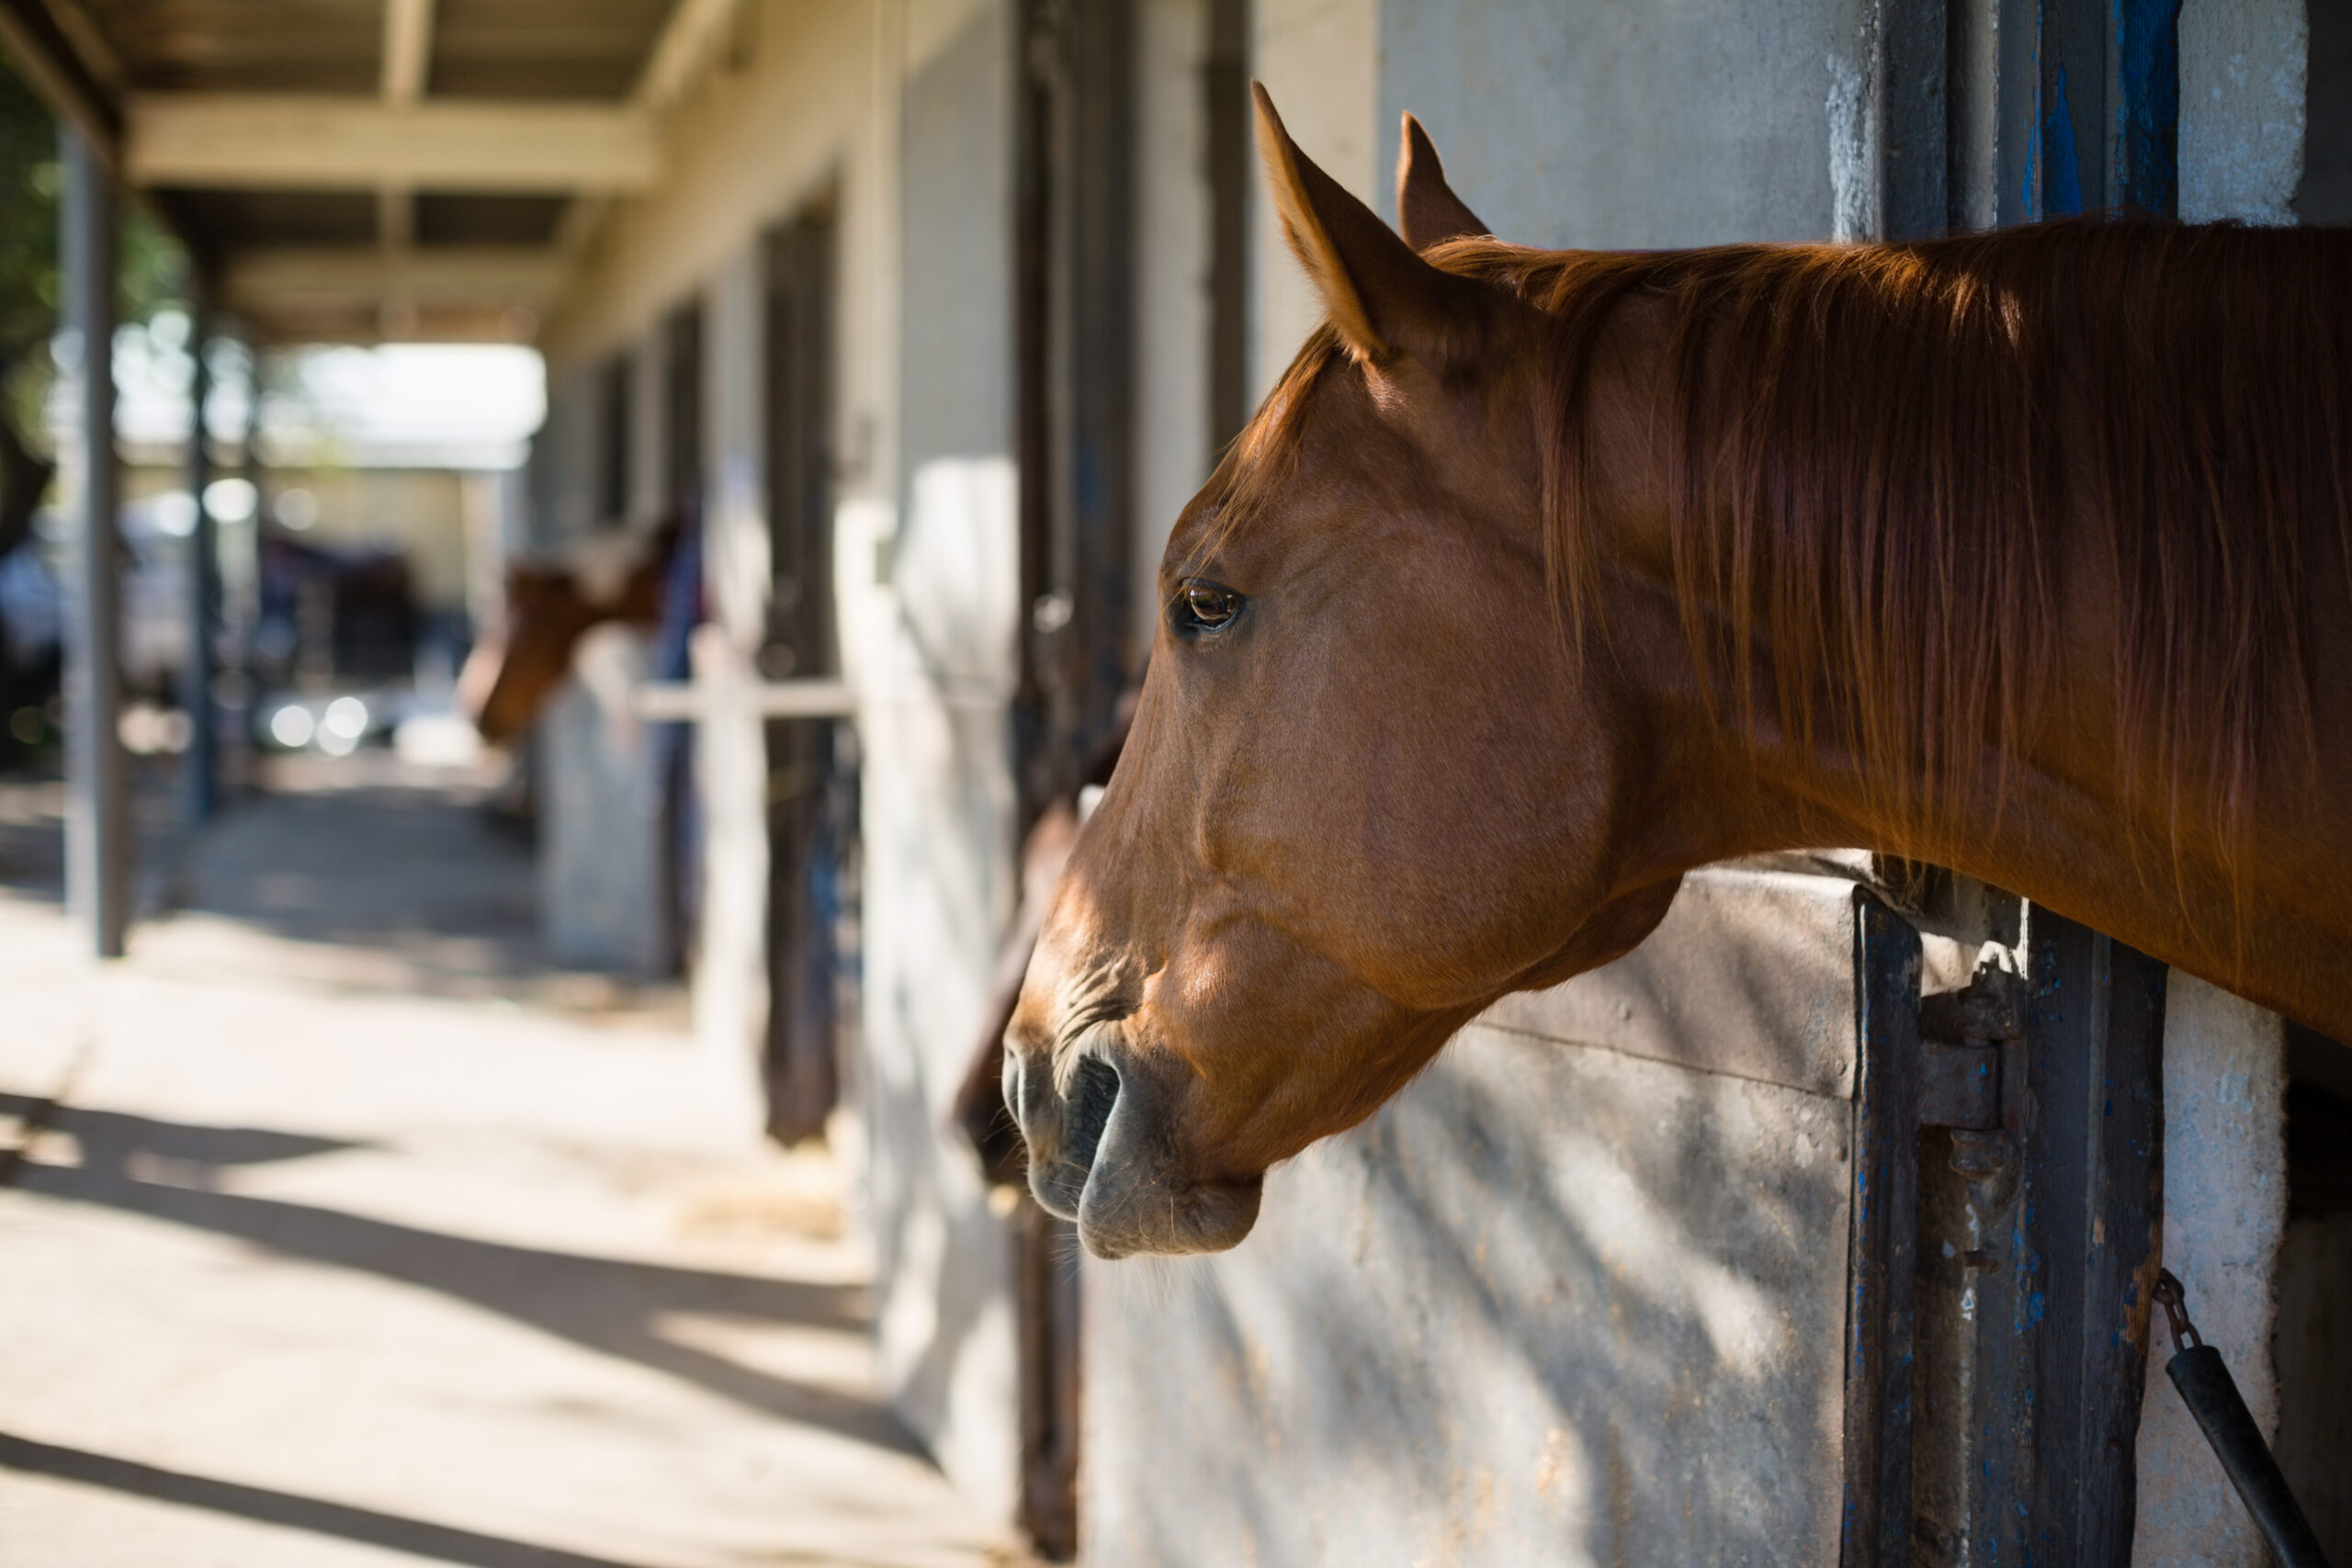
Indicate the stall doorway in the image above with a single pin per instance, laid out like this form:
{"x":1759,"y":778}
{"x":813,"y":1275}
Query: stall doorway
{"x":811,"y":764}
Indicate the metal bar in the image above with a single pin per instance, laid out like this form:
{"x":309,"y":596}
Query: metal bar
{"x":2122,"y":1116}
{"x":1225,"y":88}
{"x":2074,"y":66}
{"x":2148,"y":108}
{"x":690,"y":700}
{"x":2015,"y":106}
{"x":1881,"y":1254}
{"x":199,"y":764}
{"x":1911,"y":77}
{"x":98,"y":823}
{"x":2211,"y":1395}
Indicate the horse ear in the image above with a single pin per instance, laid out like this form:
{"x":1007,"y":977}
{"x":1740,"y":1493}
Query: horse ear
{"x":1427,"y":209}
{"x":1385,"y":300}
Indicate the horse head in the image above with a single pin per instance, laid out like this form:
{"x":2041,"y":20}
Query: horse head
{"x":512,"y":673}
{"x":1370,"y":786}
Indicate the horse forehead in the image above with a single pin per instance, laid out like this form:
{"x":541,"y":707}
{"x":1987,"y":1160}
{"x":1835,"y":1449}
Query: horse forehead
{"x":1343,"y":447}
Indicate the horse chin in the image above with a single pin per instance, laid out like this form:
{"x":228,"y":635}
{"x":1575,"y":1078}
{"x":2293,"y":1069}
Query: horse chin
{"x":1116,"y":1172}
{"x":1119,"y":1218}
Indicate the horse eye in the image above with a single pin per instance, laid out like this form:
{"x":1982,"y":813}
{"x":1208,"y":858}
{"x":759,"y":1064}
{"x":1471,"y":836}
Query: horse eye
{"x":1205,"y":607}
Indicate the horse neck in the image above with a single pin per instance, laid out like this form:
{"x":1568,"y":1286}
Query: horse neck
{"x":2046,"y":787}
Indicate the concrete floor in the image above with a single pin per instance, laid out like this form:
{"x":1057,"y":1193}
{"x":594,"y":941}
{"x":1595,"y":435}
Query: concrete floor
{"x":336,"y":1230}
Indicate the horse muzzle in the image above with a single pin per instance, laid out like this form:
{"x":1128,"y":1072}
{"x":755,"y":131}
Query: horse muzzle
{"x":1104,"y":1152}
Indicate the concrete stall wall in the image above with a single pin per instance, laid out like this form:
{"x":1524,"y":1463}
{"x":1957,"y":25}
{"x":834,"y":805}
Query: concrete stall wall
{"x":939,"y":801}
{"x":1549,"y":116}
{"x":1173,"y":443}
{"x":1577,"y":1295}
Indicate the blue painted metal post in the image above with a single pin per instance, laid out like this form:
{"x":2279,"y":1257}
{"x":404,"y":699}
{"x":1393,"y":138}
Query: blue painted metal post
{"x":2103,"y":103}
{"x":98,"y":823}
{"x":2147,"y":151}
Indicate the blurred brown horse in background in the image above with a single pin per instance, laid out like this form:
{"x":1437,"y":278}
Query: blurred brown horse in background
{"x":1544,"y":578}
{"x":512,"y":673}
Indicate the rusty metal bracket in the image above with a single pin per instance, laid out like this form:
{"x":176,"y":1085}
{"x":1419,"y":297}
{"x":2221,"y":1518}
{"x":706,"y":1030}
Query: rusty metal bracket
{"x":1960,"y":1037}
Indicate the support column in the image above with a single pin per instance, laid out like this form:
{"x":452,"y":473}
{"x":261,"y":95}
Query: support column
{"x":199,"y":765}
{"x":98,"y":823}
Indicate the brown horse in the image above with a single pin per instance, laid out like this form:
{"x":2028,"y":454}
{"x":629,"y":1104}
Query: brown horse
{"x":1542,"y":578}
{"x":511,"y":673}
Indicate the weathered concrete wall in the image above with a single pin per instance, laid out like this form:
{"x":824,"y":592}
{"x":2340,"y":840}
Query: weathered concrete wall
{"x":1553,"y":121}
{"x":1628,"y":127}
{"x":601,"y":850}
{"x":1576,"y":1296}
{"x":563,"y":471}
{"x":1320,"y":59}
{"x":2225,"y":1209}
{"x":649,"y":426}
{"x":1171,"y":285}
{"x":938,"y":829}
{"x":730,"y":981}
{"x":2243,"y":65}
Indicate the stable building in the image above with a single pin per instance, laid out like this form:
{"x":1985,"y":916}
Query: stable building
{"x":930,"y":315}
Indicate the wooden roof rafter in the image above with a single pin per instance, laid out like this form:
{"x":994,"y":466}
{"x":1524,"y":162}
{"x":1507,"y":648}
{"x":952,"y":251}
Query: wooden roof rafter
{"x":341,"y":113}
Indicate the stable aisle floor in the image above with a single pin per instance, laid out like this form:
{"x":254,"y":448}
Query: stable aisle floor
{"x":333,"y":1230}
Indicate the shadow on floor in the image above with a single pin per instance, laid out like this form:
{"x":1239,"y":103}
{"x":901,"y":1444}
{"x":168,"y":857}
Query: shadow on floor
{"x":441,"y":1544}
{"x":164,"y":1170}
{"x":419,"y":872}
{"x":383,"y":880}
{"x":32,"y":832}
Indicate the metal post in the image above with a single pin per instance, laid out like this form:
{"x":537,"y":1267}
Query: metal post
{"x":199,"y":765}
{"x":98,"y":823}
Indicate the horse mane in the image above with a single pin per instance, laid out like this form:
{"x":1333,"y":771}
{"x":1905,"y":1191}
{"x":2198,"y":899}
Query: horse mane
{"x":1872,"y":453}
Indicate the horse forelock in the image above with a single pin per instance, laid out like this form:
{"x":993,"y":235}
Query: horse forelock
{"x":1875,"y":454}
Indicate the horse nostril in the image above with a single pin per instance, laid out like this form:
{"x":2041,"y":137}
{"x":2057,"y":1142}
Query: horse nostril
{"x":1092,"y":1093}
{"x":1011,"y":1079}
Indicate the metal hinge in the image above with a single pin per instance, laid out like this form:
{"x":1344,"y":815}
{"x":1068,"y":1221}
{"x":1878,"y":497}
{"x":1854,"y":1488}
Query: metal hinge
{"x":1960,"y":1038}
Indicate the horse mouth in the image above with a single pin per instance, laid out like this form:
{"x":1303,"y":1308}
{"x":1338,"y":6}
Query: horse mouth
{"x":1111,"y":1175}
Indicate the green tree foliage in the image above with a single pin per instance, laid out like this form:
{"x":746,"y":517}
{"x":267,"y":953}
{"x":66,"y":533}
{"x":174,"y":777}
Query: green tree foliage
{"x":28,"y":298}
{"x":31,"y":293}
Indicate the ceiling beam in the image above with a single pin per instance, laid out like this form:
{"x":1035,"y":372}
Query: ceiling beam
{"x":493,"y":277}
{"x":408,"y":49}
{"x":284,"y":141}
{"x":693,"y":34}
